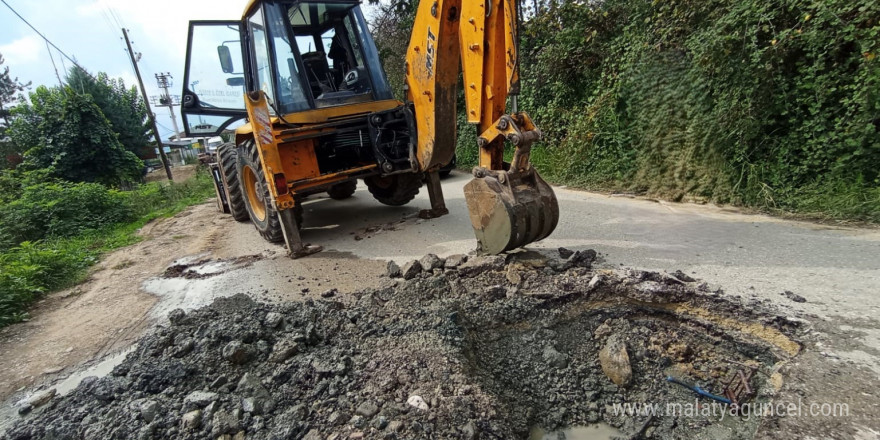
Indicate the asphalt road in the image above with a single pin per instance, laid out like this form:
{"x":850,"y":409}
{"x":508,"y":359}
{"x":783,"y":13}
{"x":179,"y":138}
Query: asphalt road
{"x":836,"y":269}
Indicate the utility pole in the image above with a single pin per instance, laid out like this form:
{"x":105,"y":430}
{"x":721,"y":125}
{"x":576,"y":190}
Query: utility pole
{"x":137,"y":71}
{"x":164,"y":81}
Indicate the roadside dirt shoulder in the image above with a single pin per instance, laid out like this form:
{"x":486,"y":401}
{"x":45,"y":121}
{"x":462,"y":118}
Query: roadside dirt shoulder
{"x":107,"y":312}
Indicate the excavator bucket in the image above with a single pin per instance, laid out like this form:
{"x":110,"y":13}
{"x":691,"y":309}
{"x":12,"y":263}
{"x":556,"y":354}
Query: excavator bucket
{"x":513,"y":207}
{"x":510,"y":210}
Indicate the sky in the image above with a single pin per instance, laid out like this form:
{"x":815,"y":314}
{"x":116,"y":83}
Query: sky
{"x":89,"y":31}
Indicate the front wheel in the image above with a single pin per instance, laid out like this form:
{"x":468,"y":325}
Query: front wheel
{"x":258,"y":199}
{"x":396,"y":190}
{"x":342,"y":191}
{"x":227,"y":155}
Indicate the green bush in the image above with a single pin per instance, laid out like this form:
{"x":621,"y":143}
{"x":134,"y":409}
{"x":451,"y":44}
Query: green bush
{"x":767,"y":104}
{"x":73,"y":224}
{"x":32,"y":269}
{"x":61,"y":210}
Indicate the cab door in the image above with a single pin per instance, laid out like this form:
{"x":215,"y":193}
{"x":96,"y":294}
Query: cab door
{"x":214,"y":79}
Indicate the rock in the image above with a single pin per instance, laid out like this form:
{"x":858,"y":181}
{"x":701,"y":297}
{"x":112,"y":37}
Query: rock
{"x":581,"y":259}
{"x":411,"y":270}
{"x":514,"y":273}
{"x":41,"y":398}
{"x":392,"y":270}
{"x":329,"y":293}
{"x":430,"y":262}
{"x":417,"y":402}
{"x":595,"y":281}
{"x":680,"y":351}
{"x":358,"y":421}
{"x":614,"y":361}
{"x":454,"y":261}
{"x":273,"y":319}
{"x":794,"y":296}
{"x":565,"y":253}
{"x":337,"y":418}
{"x":496,"y":292}
{"x":237,"y":352}
{"x":218,"y":382}
{"x":357,"y":435}
{"x":326,"y":368}
{"x":191,"y":420}
{"x":283,"y":350}
{"x":252,"y":405}
{"x":555,"y":358}
{"x":176,"y":316}
{"x":149,"y":410}
{"x":250,"y":385}
{"x":224,"y":423}
{"x":478,"y":265}
{"x":556,"y":264}
{"x":603,"y":330}
{"x":313,"y":434}
{"x":199,"y":399}
{"x":25,"y":409}
{"x":683,"y":276}
{"x":395,"y":426}
{"x":469,"y":430}
{"x":367,"y":409}
{"x":379,"y":422}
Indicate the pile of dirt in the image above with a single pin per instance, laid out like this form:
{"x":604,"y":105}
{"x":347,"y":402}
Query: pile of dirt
{"x":480,"y":347}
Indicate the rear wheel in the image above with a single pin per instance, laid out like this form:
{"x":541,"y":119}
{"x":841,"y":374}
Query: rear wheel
{"x":228,"y":157}
{"x":396,"y":190}
{"x":342,"y":190}
{"x":445,"y":170}
{"x":258,"y":199}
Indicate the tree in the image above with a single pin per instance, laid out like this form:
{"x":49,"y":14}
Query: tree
{"x":122,"y":106}
{"x":66,"y":134}
{"x":9,"y":89}
{"x":391,"y":28}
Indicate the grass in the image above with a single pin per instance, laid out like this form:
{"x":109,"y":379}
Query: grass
{"x":33,"y":269}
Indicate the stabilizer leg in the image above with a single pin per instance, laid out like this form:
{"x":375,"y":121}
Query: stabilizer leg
{"x":435,"y":193}
{"x":295,"y":246}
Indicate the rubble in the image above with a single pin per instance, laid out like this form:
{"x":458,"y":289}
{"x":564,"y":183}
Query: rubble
{"x":451,"y":349}
{"x":614,"y":360}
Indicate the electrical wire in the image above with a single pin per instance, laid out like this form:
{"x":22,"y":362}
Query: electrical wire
{"x":47,"y":40}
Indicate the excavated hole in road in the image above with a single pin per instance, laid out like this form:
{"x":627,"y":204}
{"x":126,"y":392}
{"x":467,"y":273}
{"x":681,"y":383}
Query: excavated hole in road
{"x":491,"y":349}
{"x":549,"y":378}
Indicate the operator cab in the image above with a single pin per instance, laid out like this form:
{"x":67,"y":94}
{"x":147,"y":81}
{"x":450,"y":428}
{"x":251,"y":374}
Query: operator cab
{"x":305,"y":55}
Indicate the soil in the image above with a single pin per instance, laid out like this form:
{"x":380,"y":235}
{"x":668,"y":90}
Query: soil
{"x":484,"y":350}
{"x":181,"y":173}
{"x":75,"y":328}
{"x":494,"y":350}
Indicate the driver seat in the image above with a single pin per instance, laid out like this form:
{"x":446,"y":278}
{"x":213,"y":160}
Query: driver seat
{"x":318,"y":72}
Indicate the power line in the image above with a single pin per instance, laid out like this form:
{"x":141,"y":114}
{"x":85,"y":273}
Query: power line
{"x":47,"y":40}
{"x":49,"y":49}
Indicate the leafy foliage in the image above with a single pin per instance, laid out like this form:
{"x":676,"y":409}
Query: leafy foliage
{"x":60,"y":210}
{"x":757,"y":103}
{"x":766,"y":104}
{"x":82,"y":221}
{"x":10,"y":88}
{"x":68,"y":134}
{"x":123,"y":107}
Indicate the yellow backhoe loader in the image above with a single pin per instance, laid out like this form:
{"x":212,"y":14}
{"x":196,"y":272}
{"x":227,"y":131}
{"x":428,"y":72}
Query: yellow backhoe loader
{"x":320,"y":114}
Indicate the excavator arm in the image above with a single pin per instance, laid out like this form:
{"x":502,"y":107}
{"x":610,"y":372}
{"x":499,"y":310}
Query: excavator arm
{"x":509,"y":204}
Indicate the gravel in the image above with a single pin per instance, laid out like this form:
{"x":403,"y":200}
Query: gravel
{"x":452,"y":351}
